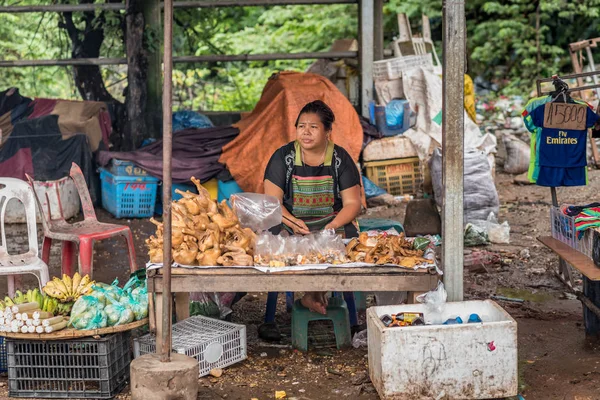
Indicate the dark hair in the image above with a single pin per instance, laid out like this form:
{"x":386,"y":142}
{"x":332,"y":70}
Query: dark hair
{"x":322,"y":110}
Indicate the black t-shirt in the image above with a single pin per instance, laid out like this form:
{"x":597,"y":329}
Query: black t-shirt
{"x":281,"y":168}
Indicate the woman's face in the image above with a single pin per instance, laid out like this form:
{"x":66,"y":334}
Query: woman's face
{"x":310,"y":132}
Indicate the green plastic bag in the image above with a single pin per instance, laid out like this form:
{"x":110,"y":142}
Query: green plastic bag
{"x":88,"y":313}
{"x":119,"y":314}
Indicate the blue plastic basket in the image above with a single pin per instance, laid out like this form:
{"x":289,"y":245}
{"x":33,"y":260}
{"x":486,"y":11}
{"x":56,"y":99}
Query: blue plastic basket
{"x":3,"y":357}
{"x":128,"y":196}
{"x":121,"y":167}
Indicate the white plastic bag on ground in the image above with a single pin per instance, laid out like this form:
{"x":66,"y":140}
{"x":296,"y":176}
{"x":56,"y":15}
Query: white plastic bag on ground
{"x":480,"y":195}
{"x":517,"y":155}
{"x":497,"y":233}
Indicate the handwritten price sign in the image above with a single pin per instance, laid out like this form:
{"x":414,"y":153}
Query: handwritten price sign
{"x":565,"y":116}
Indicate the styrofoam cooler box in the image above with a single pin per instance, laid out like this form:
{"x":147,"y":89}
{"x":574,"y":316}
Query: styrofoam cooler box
{"x":466,"y":361}
{"x":69,"y":199}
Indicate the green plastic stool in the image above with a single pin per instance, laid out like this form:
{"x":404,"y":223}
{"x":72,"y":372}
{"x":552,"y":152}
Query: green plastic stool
{"x":360,"y":299}
{"x":337,"y":312}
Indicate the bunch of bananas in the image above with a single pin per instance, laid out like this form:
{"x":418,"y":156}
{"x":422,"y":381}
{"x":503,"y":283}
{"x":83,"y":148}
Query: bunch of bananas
{"x":67,"y":290}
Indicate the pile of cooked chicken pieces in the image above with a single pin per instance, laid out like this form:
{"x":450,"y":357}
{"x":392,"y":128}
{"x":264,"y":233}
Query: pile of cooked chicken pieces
{"x":204,"y":233}
{"x":384,"y":250}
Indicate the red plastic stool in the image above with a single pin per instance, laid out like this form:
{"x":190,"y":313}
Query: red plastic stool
{"x":83,"y":233}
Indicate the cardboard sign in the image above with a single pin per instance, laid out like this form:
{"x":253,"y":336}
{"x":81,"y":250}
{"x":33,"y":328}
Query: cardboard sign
{"x":567,"y":116}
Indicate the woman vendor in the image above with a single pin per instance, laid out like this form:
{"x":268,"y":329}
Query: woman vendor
{"x":317,"y":182}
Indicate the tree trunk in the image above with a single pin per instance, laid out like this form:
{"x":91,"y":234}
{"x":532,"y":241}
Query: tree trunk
{"x":153,"y":27}
{"x":137,"y":68}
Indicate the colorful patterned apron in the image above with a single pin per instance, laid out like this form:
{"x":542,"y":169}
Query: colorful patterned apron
{"x":314,"y":196}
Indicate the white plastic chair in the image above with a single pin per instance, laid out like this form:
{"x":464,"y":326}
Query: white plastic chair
{"x":27,"y":263}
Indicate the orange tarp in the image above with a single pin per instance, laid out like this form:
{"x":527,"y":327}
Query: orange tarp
{"x":271,"y":125}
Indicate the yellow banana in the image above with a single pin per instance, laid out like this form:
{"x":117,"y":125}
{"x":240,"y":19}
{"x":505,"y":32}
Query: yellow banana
{"x":82,"y":284}
{"x":68,"y":283}
{"x":75,"y":285}
{"x":60,"y":285}
{"x":87,"y":289}
{"x":53,"y":292}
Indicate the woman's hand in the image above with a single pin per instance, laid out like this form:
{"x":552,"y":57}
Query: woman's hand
{"x":331,"y":225}
{"x":296,"y":225}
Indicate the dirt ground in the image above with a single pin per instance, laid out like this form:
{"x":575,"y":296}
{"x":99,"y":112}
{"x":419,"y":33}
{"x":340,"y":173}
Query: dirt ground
{"x":556,"y":360}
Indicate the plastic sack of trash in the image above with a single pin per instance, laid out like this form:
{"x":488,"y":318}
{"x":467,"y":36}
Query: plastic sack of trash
{"x":517,"y":155}
{"x":371,"y":189}
{"x":497,"y":233}
{"x":480,"y":195}
{"x":88,"y":313}
{"x":258,"y":212}
{"x":190,"y":119}
{"x":434,"y":303}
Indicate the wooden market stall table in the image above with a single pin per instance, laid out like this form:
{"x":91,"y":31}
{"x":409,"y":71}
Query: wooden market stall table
{"x":222,"y":279}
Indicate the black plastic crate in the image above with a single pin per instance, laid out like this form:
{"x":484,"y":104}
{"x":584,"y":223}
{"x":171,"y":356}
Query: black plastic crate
{"x":3,"y":358}
{"x":74,"y":368}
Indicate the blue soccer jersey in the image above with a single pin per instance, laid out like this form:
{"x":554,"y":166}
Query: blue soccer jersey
{"x":562,"y":152}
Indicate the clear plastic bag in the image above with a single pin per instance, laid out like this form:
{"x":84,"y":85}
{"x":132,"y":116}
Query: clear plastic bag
{"x":434,"y":302}
{"x":138,"y":306}
{"x":497,"y":233}
{"x":88,"y":313}
{"x":324,"y":247}
{"x":258,"y":212}
{"x":119,"y":313}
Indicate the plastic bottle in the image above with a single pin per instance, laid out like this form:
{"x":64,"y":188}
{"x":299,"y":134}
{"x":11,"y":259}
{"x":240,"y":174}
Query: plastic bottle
{"x":453,"y":321}
{"x":473,"y":319}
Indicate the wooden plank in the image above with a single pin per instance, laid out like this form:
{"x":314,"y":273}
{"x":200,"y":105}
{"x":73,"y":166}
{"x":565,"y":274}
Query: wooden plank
{"x":74,"y":333}
{"x":578,"y":260}
{"x":182,"y":305}
{"x":283,"y":283}
{"x":158,"y":303}
{"x":330,"y":271}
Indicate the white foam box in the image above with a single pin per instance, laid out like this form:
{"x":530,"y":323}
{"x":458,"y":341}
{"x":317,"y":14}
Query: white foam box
{"x":389,"y":148}
{"x":467,"y":361}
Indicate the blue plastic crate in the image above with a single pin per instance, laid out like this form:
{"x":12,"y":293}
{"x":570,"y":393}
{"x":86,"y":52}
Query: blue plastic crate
{"x":121,"y":167}
{"x":3,"y":357}
{"x":128,"y":196}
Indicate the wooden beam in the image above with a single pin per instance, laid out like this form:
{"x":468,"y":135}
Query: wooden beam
{"x":578,"y":260}
{"x":366,"y":54}
{"x":185,"y":59}
{"x":178,"y":4}
{"x":454,"y":38}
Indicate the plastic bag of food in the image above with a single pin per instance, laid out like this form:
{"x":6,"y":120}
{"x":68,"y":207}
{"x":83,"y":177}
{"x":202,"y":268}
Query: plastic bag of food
{"x":119,"y":314}
{"x":496,"y":232}
{"x":112,"y":291}
{"x":139,"y":306}
{"x":88,"y":313}
{"x":258,"y":212}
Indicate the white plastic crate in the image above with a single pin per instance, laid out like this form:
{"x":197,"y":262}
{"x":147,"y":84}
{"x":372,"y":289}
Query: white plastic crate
{"x":467,"y":361}
{"x":563,"y":227}
{"x":394,"y":67}
{"x":214,"y":343}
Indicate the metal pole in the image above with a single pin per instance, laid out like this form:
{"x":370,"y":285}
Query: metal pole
{"x":366,"y":54}
{"x":177,"y":4}
{"x":454,"y":37}
{"x":167,"y":152}
{"x":333,"y":55}
{"x":378,"y":42}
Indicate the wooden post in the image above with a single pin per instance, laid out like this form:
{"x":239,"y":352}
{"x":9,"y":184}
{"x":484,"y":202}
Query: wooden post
{"x":167,"y":308}
{"x":366,"y":55}
{"x":378,"y":29}
{"x":153,"y":28}
{"x":453,"y":146}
